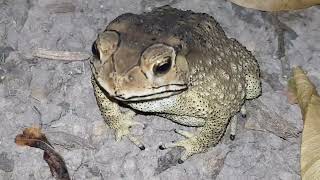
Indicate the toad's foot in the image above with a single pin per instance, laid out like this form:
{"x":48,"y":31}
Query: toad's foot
{"x":243,"y":111}
{"x":234,"y":122}
{"x":191,"y":145}
{"x":233,"y":127}
{"x":122,"y":129}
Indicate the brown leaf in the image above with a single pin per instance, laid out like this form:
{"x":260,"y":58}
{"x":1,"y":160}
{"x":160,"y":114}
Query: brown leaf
{"x":34,"y":138}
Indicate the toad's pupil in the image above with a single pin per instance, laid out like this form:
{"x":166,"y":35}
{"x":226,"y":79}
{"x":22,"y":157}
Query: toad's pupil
{"x":163,"y":68}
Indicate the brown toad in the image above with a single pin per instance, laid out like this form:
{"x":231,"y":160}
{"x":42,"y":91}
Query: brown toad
{"x":176,"y":64}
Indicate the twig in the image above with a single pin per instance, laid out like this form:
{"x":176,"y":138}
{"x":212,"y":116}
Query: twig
{"x":61,"y":55}
{"x":280,"y":30}
{"x":39,"y":114}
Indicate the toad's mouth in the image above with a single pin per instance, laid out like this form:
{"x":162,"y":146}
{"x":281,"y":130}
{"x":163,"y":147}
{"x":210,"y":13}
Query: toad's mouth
{"x":150,"y":94}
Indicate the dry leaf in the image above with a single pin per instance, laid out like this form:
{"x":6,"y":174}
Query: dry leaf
{"x":61,"y":7}
{"x":309,"y":102}
{"x":276,"y":5}
{"x":34,"y":138}
{"x":292,"y":91}
{"x":61,"y":55}
{"x":302,"y":88}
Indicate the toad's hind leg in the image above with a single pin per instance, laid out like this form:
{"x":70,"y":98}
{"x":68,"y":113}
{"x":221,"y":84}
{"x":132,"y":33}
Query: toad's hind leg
{"x":184,"y":120}
{"x":233,"y":127}
{"x":243,"y":111}
{"x":116,"y":120}
{"x":234,"y":122}
{"x":253,"y":86}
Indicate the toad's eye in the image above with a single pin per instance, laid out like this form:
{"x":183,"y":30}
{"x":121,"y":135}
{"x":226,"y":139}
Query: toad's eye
{"x":162,"y":67}
{"x":95,"y":50}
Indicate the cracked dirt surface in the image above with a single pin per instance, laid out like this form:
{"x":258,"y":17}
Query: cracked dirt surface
{"x":58,"y":96}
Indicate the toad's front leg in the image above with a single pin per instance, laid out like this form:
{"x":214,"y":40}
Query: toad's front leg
{"x":206,"y":136}
{"x":116,"y":120}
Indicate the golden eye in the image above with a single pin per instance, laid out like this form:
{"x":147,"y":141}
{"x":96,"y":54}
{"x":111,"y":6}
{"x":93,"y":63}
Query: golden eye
{"x":162,"y":67}
{"x":95,"y":50}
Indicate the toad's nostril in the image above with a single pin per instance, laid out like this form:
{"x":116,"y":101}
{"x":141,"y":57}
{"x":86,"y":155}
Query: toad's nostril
{"x":119,"y":94}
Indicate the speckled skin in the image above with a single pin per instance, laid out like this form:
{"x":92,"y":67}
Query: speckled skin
{"x":222,"y":74}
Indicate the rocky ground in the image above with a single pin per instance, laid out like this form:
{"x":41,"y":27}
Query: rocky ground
{"x":58,"y":96}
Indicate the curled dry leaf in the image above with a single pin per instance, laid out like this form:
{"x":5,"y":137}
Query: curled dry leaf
{"x":276,"y":5}
{"x":34,"y":138}
{"x":61,"y":55}
{"x":309,"y":102}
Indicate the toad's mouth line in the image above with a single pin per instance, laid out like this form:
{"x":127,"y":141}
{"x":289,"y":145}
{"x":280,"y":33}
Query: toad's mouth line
{"x":161,"y":93}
